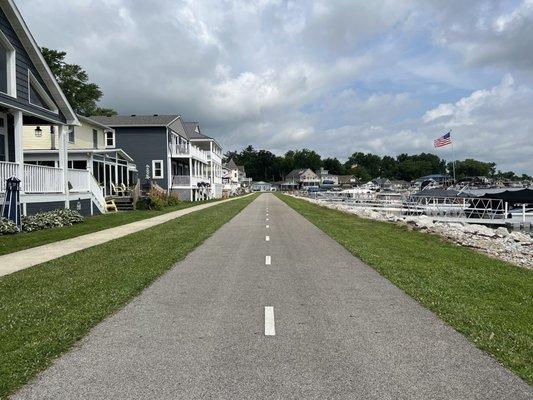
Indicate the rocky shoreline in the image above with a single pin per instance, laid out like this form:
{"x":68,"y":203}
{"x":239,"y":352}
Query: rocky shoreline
{"x":514,"y":247}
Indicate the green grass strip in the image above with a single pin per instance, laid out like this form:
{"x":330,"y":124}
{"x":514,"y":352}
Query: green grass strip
{"x":489,"y":301}
{"x":45,"y":309}
{"x":26,"y":240}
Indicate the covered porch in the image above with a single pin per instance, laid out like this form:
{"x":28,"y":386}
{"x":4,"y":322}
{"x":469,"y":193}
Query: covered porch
{"x":40,"y":183}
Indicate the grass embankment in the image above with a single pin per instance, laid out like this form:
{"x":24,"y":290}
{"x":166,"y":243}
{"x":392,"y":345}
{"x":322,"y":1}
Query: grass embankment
{"x":26,"y":240}
{"x":45,"y":309}
{"x":489,"y":301}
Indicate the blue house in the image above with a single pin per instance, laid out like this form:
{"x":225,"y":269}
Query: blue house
{"x":165,"y":154}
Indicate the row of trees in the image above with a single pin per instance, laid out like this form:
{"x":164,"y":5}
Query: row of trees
{"x":266,"y":166}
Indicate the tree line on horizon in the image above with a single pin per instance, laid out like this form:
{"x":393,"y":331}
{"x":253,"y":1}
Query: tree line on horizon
{"x":263,"y":165}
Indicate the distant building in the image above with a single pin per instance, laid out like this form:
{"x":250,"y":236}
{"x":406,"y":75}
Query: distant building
{"x":347,"y":181}
{"x":303,"y":177}
{"x":261,"y":187}
{"x":327,"y":180}
{"x":234,"y":179}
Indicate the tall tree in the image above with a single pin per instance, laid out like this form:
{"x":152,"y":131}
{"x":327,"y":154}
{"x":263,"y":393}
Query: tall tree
{"x":306,"y":158}
{"x":471,"y":167}
{"x":74,"y":81}
{"x":333,"y":165}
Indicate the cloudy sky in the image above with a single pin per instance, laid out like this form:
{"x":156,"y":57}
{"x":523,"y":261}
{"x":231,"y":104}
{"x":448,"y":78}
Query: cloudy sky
{"x":335,"y":76}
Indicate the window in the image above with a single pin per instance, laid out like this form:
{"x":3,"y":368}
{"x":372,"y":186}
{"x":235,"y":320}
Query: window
{"x":38,"y":96}
{"x":3,"y":139}
{"x":71,"y":137}
{"x":95,"y":139}
{"x":157,"y":169}
{"x":110,"y":139}
{"x":8,"y":79}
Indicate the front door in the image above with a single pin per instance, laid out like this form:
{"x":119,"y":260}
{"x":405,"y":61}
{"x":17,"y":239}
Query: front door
{"x":3,"y":138}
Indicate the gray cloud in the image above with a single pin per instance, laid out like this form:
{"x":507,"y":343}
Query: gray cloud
{"x":337,"y":76}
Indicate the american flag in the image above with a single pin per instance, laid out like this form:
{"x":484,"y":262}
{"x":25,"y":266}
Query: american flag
{"x":443,"y":140}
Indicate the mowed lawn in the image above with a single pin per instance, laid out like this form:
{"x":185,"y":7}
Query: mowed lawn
{"x":489,"y":301}
{"x":26,"y":240}
{"x":45,"y":309}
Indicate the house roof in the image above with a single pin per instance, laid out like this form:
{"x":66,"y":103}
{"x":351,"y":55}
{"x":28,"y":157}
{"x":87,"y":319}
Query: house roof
{"x":93,"y":122}
{"x":136,"y":120}
{"x":191,"y":131}
{"x":34,"y":52}
{"x":347,"y":178}
{"x":231,"y":164}
{"x":295,"y":173}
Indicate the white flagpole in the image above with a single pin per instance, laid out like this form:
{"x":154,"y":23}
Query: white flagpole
{"x":453,"y":156}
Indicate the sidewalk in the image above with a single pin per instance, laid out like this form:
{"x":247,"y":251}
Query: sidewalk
{"x":23,"y":259}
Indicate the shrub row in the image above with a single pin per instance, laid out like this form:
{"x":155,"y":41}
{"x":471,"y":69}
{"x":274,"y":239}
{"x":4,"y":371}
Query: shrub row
{"x":43,"y":220}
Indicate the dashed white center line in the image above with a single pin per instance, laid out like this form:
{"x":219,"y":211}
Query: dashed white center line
{"x":268,"y":226}
{"x":267,"y":238}
{"x":270,"y":327}
{"x":267,"y":219}
{"x":268,"y":260}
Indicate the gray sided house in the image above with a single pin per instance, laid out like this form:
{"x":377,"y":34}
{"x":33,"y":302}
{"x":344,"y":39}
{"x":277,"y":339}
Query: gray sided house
{"x":30,"y":95}
{"x":163,"y":153}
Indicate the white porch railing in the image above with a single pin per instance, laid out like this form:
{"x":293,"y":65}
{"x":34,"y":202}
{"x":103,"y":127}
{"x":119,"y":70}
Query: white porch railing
{"x":188,"y":180}
{"x":187,"y":150}
{"x":41,"y":179}
{"x":96,"y":192}
{"x":7,"y":170}
{"x":79,"y":180}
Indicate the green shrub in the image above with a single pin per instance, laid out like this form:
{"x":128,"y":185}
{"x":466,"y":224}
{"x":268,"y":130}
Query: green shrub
{"x":50,"y":219}
{"x":157,"y":200}
{"x":7,"y":227}
{"x":173,"y":200}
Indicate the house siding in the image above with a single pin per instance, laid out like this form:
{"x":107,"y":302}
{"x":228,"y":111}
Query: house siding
{"x":23,"y":64}
{"x":85,"y":210}
{"x":83,"y":137}
{"x":183,"y":194}
{"x":145,"y":144}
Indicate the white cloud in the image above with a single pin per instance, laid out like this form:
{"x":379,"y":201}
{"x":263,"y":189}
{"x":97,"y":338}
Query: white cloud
{"x":338,"y":76}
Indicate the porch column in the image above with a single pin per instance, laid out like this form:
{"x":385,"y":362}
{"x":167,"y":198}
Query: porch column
{"x":63,"y":161}
{"x":190,"y":170}
{"x":116,"y":170}
{"x":19,"y":149}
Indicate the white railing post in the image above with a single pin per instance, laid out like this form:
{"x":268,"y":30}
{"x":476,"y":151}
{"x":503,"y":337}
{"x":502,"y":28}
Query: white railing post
{"x":63,"y":162}
{"x":19,"y":149}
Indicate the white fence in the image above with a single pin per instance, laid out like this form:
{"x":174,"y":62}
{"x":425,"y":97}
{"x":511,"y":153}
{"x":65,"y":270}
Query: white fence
{"x":439,"y":208}
{"x":97,"y":193}
{"x":7,"y":170}
{"x":41,"y":179}
{"x":78,"y":179}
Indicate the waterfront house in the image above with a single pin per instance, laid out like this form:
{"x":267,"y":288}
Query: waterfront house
{"x":164,"y":154}
{"x":30,"y":95}
{"x":230,"y":177}
{"x":327,"y":180}
{"x":303,"y":177}
{"x":347,"y":181}
{"x":214,"y":156}
{"x":90,"y":146}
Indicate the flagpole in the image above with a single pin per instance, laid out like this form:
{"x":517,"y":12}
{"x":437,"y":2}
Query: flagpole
{"x":453,"y":156}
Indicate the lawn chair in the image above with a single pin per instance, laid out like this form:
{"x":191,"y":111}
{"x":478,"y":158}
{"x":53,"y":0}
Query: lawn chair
{"x":119,"y":191}
{"x":126,"y":190}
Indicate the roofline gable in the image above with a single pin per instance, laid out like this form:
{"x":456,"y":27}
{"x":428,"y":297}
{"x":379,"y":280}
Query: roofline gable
{"x":34,"y":52}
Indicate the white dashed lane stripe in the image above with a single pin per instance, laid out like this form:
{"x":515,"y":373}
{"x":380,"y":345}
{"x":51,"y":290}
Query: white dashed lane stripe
{"x":270,"y":327}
